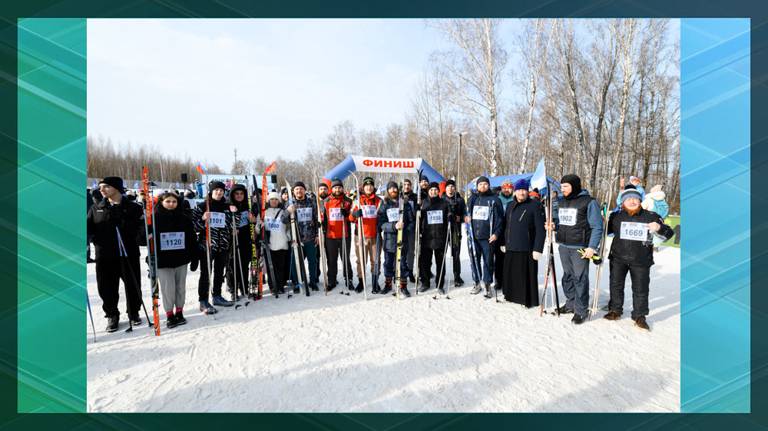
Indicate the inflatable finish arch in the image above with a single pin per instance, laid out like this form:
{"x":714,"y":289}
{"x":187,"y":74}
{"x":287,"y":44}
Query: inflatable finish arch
{"x":383,"y":165}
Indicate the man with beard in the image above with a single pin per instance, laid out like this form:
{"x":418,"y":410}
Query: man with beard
{"x":336,"y":216}
{"x":369,"y":205}
{"x":485,"y":217}
{"x":523,"y":244}
{"x":579,"y":225}
{"x":306,"y":221}
{"x":389,"y":223}
{"x":457,"y":209}
{"x":411,"y":200}
{"x":632,"y":252}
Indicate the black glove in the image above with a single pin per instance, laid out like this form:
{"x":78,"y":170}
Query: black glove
{"x":194,"y":263}
{"x":358,"y":213}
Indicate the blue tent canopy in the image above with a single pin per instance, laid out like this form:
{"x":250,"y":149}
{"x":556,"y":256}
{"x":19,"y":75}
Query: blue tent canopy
{"x":496,"y":182}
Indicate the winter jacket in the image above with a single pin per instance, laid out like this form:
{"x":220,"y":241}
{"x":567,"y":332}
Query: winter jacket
{"x":276,"y":223}
{"x":220,"y":224}
{"x":633,"y":241}
{"x":306,"y":218}
{"x":102,"y":220}
{"x":485,"y":210}
{"x":434,"y":223}
{"x":336,"y":216}
{"x":412,"y":200}
{"x":456,"y":207}
{"x":175,"y":238}
{"x":388,"y":215}
{"x":654,"y":201}
{"x":244,"y":223}
{"x":584,"y":227}
{"x":524,"y":226}
{"x":370,"y":204}
{"x":506,"y":200}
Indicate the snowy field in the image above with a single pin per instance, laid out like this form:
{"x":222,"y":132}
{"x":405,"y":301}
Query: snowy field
{"x":340,"y":353}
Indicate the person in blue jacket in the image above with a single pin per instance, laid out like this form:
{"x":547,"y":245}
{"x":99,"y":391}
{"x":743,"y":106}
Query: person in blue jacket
{"x":579,"y":225}
{"x":484,"y":214}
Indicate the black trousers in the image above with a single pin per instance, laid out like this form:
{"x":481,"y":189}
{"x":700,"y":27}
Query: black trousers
{"x":641,"y":279}
{"x":109,"y":272}
{"x":334,"y":251}
{"x":425,"y":265}
{"x":219,"y":262}
{"x":282,"y":265}
{"x":498,"y":258}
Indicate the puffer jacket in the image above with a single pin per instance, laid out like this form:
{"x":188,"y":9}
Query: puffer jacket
{"x":220,"y":224}
{"x":370,"y":204}
{"x":277,"y":233}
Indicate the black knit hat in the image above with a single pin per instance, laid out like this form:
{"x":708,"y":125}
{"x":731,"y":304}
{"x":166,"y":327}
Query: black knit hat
{"x":239,"y":187}
{"x":434,"y":185}
{"x":299,"y":184}
{"x":336,"y":183}
{"x":423,"y":178}
{"x":392,"y":184}
{"x":115,"y":182}
{"x":213,"y":185}
{"x":575,"y":183}
{"x":483,"y":179}
{"x":368,"y":180}
{"x":450,"y":183}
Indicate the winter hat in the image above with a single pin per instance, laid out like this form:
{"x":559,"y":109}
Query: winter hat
{"x":115,"y":182}
{"x":368,"y":180}
{"x":239,"y":187}
{"x":299,"y":184}
{"x":630,"y":193}
{"x":483,"y":179}
{"x":321,"y":185}
{"x":423,"y":178}
{"x":450,"y":183}
{"x":336,"y":183}
{"x":522,"y":183}
{"x":575,"y":183}
{"x":213,"y":185}
{"x":392,"y":184}
{"x":273,"y":195}
{"x":434,"y":185}
{"x":656,"y":188}
{"x":507,"y":184}
{"x":633,"y":178}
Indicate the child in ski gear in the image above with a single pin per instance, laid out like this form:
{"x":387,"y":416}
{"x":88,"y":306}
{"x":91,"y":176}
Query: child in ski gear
{"x":389,"y":223}
{"x":110,"y":221}
{"x":579,"y":225}
{"x":632,"y":252}
{"x":238,"y":198}
{"x":176,"y":247}
{"x":655,"y":201}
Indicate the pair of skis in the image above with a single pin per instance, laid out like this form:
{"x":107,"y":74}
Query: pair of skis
{"x":151,"y":248}
{"x":549,"y":257}
{"x":298,"y":248}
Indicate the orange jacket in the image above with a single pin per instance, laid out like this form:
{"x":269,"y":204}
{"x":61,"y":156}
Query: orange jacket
{"x":335,"y":215}
{"x":370,"y":204}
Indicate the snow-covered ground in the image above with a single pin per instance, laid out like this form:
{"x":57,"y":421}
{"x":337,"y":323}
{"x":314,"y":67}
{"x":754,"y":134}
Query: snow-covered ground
{"x":340,"y":353}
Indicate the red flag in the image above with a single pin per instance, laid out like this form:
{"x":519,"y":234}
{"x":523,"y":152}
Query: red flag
{"x":270,"y":168}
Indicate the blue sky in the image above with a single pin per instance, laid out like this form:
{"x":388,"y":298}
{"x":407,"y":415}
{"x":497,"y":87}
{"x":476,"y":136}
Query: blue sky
{"x":268,"y":87}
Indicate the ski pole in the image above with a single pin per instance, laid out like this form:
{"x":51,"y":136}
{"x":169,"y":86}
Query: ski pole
{"x":124,"y":255}
{"x":90,"y":313}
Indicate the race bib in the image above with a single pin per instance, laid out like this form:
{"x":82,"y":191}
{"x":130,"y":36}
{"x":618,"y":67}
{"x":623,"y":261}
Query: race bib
{"x":304,"y":215}
{"x":171,"y":241}
{"x":633,"y":231}
{"x":436,"y":217}
{"x":243,"y":219}
{"x":218,"y":220}
{"x":393,"y":215}
{"x":334,"y":214}
{"x":479,"y":213}
{"x":273,"y":225}
{"x":369,"y":211}
{"x":567,"y":216}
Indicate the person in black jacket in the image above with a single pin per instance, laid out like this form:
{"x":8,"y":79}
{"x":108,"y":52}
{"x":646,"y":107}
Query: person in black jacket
{"x":434,"y":231}
{"x":485,"y":216}
{"x":411,"y":199}
{"x":114,"y":228}
{"x":176,"y":247}
{"x":457,"y":209}
{"x":523,"y":244}
{"x":632,"y":252}
{"x":389,"y":224}
{"x":216,"y":213}
{"x":238,"y":197}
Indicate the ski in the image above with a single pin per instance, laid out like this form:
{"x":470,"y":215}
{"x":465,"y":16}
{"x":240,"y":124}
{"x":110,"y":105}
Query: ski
{"x":360,"y":236}
{"x":321,"y":238}
{"x":255,"y":270}
{"x":399,"y":254}
{"x":274,"y":290}
{"x":417,"y":239}
{"x":151,"y":248}
{"x":599,"y":261}
{"x":441,"y":273}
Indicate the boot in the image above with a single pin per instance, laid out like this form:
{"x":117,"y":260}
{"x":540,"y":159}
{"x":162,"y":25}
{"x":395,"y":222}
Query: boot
{"x":112,"y":323}
{"x":376,"y":288}
{"x":612,"y":315}
{"x":220,"y":301}
{"x":359,"y":287}
{"x":180,"y":320}
{"x":424,"y":286}
{"x":411,"y":278}
{"x":457,"y":281}
{"x":404,"y":289}
{"x":563,"y":310}
{"x":135,"y":320}
{"x":350,"y":286}
{"x":387,"y":285}
{"x":490,"y":291}
{"x":478,"y":288}
{"x":641,"y":323}
{"x":577,"y":320}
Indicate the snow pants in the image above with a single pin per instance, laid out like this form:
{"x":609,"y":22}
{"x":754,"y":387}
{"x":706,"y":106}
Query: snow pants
{"x":640,"y":276}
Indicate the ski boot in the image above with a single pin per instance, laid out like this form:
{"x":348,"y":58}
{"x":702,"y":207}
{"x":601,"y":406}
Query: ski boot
{"x":404,"y":289}
{"x":387,"y":285}
{"x":564,"y":310}
{"x":478,"y":288}
{"x":220,"y":301}
{"x":171,"y":321}
{"x":577,"y":320}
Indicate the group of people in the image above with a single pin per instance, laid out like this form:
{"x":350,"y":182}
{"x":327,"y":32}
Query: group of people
{"x":232,"y":238}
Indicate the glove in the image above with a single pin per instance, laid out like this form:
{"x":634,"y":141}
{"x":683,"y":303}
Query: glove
{"x":194,"y":263}
{"x":503,"y":249}
{"x":358,"y":213}
{"x":536,"y":255}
